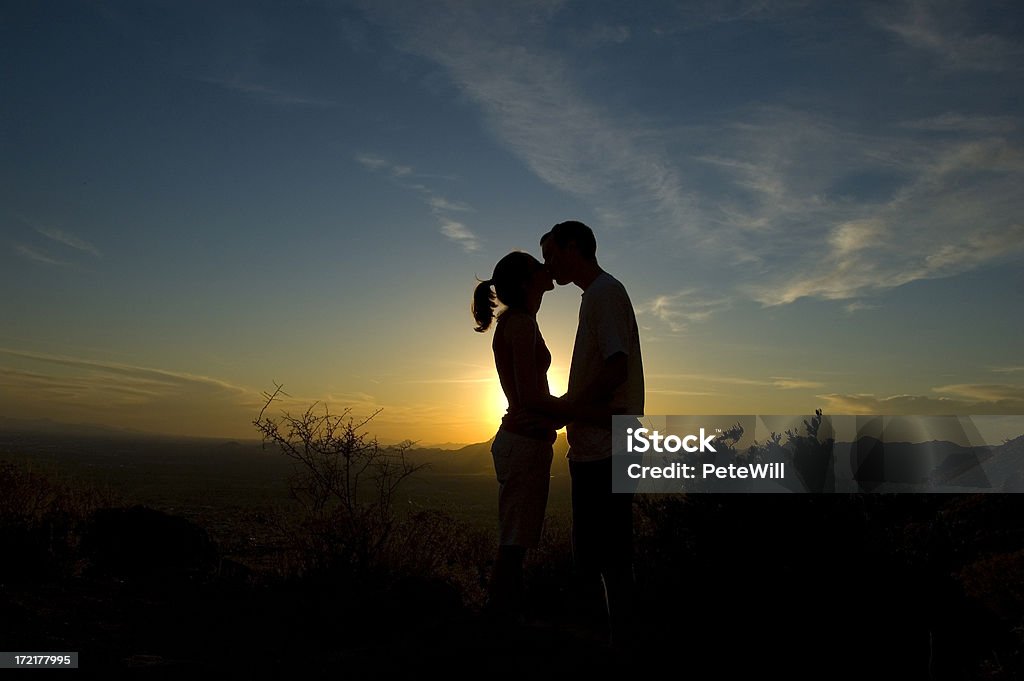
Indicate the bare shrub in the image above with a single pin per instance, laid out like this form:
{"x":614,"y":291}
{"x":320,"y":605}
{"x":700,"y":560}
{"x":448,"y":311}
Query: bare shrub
{"x":42,"y":519}
{"x":29,"y":495}
{"x":344,"y":481}
{"x":435,"y":543}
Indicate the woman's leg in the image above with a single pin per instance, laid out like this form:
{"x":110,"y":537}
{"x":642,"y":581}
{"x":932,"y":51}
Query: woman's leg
{"x":523,"y":468}
{"x":506,"y":588}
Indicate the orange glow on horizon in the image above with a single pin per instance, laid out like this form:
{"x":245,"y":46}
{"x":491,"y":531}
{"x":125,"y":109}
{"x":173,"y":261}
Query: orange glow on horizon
{"x":496,"y":406}
{"x":493,"y":402}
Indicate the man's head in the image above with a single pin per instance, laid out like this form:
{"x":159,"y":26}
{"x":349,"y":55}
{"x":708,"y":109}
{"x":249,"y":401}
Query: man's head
{"x":568,"y":248}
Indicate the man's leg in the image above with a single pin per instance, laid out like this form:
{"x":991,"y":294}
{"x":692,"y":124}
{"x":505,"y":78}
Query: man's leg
{"x":506,"y":587}
{"x":617,"y":565}
{"x":602,"y":537}
{"x":587,"y":533}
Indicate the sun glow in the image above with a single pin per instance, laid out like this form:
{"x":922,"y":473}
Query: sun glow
{"x":497,"y":405}
{"x":558,"y":380}
{"x":493,"y":402}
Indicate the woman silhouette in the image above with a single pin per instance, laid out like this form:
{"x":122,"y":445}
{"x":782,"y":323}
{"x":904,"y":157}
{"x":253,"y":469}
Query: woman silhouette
{"x":522,"y":447}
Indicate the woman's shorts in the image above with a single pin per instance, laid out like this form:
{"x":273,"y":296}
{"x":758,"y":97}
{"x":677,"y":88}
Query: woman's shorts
{"x":523,"y":467}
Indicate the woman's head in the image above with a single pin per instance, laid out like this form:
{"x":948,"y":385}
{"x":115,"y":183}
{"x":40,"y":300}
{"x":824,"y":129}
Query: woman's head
{"x":518,"y":279}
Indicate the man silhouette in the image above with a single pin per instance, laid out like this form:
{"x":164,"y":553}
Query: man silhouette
{"x":606,"y":377}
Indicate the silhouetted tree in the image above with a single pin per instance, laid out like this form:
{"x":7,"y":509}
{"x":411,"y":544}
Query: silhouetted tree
{"x":345,"y":481}
{"x":811,"y":456}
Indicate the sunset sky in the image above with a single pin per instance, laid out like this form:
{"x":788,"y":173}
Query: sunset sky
{"x":810,"y":204}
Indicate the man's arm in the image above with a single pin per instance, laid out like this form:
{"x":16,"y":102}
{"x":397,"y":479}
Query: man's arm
{"x":592,"y":405}
{"x":603,"y":385}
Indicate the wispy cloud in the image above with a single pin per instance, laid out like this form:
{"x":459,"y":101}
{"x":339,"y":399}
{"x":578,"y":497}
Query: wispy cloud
{"x":69,"y":240}
{"x":36,"y":256}
{"x":804,"y":204}
{"x":441,"y":204}
{"x":948,"y":36}
{"x":707,"y":378}
{"x":487,"y":379}
{"x":268,"y":93}
{"x":457,"y":232}
{"x":952,"y":208}
{"x":440,"y":207}
{"x":357,"y":405}
{"x":161,"y":400}
{"x":952,"y":122}
{"x":600,"y":35}
{"x":778,"y":382}
{"x":990,"y":392}
{"x":535,"y":108}
{"x":952,"y":399}
{"x":138,"y":377}
{"x":784,"y":383}
{"x":683,"y":308}
{"x":700,"y":14}
{"x":379,"y":163}
{"x":117,"y":394}
{"x":857,"y":306}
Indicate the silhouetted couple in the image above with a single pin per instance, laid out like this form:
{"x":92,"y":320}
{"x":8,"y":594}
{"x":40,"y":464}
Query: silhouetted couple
{"x":605,"y":378}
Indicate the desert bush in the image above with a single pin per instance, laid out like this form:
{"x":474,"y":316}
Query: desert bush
{"x":434,"y":543}
{"x":811,"y":456}
{"x":142,"y":541}
{"x":997,"y":581}
{"x":344,"y":481}
{"x":42,"y":520}
{"x":29,"y":495}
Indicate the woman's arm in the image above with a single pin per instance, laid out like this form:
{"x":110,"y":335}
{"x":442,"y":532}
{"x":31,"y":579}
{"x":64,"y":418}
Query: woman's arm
{"x":521,"y":336}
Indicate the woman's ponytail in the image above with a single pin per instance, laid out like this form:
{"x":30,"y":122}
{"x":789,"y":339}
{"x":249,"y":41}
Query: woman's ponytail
{"x":508,"y":285}
{"x":483,"y":305}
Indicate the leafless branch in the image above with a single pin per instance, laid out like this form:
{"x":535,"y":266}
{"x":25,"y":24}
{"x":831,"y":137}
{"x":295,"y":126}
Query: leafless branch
{"x":344,"y":480}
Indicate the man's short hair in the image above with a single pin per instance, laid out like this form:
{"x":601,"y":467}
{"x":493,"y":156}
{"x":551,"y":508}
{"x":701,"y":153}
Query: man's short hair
{"x":574,"y":230}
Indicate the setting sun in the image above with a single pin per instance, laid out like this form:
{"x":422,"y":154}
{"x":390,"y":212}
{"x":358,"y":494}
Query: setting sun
{"x":496,"y":406}
{"x":492,"y":408}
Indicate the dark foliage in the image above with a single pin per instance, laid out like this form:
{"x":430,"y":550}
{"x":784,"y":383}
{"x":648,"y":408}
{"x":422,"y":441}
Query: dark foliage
{"x":868,"y":586}
{"x":141,"y":541}
{"x":344,"y":482}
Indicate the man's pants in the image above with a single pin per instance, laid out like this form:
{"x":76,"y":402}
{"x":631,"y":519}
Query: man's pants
{"x":602,"y":538}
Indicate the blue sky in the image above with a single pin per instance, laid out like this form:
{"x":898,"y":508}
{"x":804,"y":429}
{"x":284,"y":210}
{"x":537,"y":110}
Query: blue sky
{"x":811,"y":204}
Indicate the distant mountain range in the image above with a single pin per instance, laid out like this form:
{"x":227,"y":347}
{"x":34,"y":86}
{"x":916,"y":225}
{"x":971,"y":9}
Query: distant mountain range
{"x":45,"y":425}
{"x":939,"y":464}
{"x":441,"y":445}
{"x":1004,"y":467}
{"x":934,"y":465}
{"x":476,"y":459}
{"x":448,"y":459}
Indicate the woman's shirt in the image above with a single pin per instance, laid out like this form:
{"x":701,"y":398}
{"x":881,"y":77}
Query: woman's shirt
{"x":504,"y":360}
